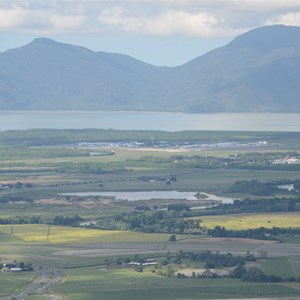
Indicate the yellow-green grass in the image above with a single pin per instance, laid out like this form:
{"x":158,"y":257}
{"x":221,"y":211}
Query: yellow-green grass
{"x":246,"y":221}
{"x":12,"y":283}
{"x":63,"y":234}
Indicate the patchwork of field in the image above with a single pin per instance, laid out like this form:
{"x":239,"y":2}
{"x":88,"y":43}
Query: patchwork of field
{"x":88,"y":259}
{"x":126,"y":284}
{"x":75,"y":247}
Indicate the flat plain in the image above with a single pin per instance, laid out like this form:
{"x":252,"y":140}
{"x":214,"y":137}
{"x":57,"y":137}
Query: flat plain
{"x":91,"y":261}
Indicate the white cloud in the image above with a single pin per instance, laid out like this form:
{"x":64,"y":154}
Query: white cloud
{"x":181,"y":22}
{"x":291,"y":19}
{"x":259,"y":5}
{"x":167,"y":23}
{"x":213,"y":18}
{"x":13,"y":18}
{"x":22,"y":18}
{"x":67,"y":22}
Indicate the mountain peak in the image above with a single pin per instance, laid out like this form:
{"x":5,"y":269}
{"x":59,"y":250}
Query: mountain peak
{"x":43,"y":40}
{"x":268,"y":38}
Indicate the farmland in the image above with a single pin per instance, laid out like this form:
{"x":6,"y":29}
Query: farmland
{"x":250,"y":221}
{"x":40,"y":171}
{"x":124,"y":284}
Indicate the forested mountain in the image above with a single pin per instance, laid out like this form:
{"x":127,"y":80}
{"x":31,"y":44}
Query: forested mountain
{"x":257,"y":71}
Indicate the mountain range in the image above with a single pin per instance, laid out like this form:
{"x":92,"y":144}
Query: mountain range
{"x":258,"y":71}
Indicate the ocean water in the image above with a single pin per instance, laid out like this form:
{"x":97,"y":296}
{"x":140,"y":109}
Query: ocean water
{"x":21,"y":120}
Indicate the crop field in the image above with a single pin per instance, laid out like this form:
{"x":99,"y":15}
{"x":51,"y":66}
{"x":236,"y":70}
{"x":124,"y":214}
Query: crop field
{"x":123,"y":284}
{"x":246,"y":221}
{"x":283,"y":266}
{"x":12,"y":283}
{"x":63,"y":234}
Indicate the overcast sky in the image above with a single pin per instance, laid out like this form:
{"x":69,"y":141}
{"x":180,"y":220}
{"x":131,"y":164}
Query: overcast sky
{"x":166,"y":32}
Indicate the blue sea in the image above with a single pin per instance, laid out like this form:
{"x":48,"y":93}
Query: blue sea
{"x":21,"y":120}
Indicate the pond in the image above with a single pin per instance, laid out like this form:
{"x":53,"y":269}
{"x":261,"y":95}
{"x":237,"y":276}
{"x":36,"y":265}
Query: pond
{"x":289,"y":187}
{"x":149,"y":195}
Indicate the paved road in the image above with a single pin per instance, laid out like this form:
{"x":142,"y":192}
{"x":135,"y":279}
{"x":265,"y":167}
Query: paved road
{"x":47,"y":277}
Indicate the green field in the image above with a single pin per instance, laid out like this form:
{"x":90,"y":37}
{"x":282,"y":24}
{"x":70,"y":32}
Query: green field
{"x":284,"y":266}
{"x":128,"y":284}
{"x":13,"y":283}
{"x":52,"y":163}
{"x":246,"y":221}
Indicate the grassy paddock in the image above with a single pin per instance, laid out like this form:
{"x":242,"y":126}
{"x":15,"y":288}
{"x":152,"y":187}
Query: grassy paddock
{"x":123,"y":284}
{"x":283,"y":266}
{"x":64,"y":234}
{"x":246,"y":221}
{"x":13,"y":283}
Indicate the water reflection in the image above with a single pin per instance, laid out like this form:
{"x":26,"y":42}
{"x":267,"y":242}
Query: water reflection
{"x":148,"y":195}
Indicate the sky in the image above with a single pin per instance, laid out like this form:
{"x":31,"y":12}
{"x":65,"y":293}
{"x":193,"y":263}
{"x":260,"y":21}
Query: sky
{"x":161,"y":32}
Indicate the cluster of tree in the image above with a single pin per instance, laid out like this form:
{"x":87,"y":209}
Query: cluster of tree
{"x":151,"y":221}
{"x":17,"y":185}
{"x":161,"y":221}
{"x":15,"y":198}
{"x":218,"y":260}
{"x":254,"y":187}
{"x":87,"y":167}
{"x":255,"y":274}
{"x":259,"y":188}
{"x":66,"y":220}
{"x":21,"y":220}
{"x":257,"y":233}
{"x":15,"y":264}
{"x":260,"y":205}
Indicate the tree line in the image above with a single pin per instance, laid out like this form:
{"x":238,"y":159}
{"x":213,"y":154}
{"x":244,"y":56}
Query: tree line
{"x":58,"y":220}
{"x":257,"y":233}
{"x":259,"y":188}
{"x":259,"y":205}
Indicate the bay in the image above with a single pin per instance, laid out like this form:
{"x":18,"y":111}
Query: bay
{"x":166,"y":121}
